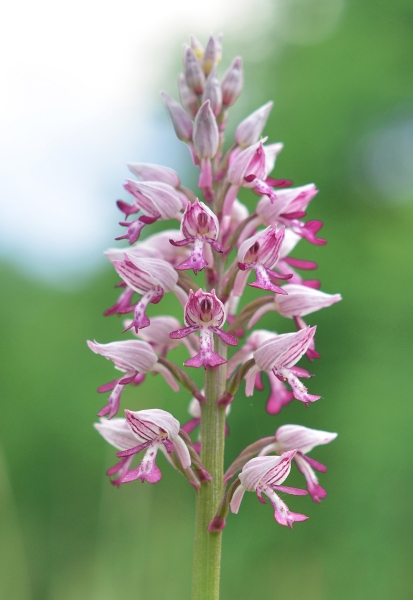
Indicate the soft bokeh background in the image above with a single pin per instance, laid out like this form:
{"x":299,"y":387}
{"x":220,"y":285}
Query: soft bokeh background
{"x":80,"y":99}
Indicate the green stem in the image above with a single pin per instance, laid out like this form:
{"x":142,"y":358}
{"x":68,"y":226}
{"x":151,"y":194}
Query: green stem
{"x":207,"y":547}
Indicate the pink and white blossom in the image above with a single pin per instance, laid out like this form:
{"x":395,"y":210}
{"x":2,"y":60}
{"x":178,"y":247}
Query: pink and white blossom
{"x":205,"y":313}
{"x":279,"y":395}
{"x":199,"y":226}
{"x":247,"y":168}
{"x":279,"y":355}
{"x":299,"y":301}
{"x":288,"y":208}
{"x":118,"y":434}
{"x":260,"y":253}
{"x":264,"y":475}
{"x":153,"y":429}
{"x":157,"y":200}
{"x":303,"y":440}
{"x":151,"y":277}
{"x":134,"y":358}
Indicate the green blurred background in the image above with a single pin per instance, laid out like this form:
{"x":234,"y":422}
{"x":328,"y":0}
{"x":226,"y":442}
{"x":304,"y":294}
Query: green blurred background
{"x":344,"y":110}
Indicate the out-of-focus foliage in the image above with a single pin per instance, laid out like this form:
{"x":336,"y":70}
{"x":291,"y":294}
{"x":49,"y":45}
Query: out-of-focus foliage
{"x":66,"y":533}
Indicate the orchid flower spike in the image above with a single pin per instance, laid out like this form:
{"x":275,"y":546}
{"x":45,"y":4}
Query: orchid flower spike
{"x":199,"y":226}
{"x":303,"y":439}
{"x":151,"y":277}
{"x":279,"y":395}
{"x":152,"y":428}
{"x":260,"y":253}
{"x":205,"y":313}
{"x":279,"y":355}
{"x":264,"y":475}
{"x":135,"y":358}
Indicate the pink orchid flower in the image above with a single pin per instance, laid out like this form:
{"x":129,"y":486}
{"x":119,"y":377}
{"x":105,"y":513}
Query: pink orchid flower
{"x":205,"y":313}
{"x":264,"y":475}
{"x":303,"y":440}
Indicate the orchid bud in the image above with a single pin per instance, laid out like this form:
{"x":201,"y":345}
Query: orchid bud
{"x":206,"y":134}
{"x":232,"y":82}
{"x":194,"y":74}
{"x":180,"y":120}
{"x":196,"y":46}
{"x":211,"y":55}
{"x":249,"y":130}
{"x":189,"y":100}
{"x":213,"y":93}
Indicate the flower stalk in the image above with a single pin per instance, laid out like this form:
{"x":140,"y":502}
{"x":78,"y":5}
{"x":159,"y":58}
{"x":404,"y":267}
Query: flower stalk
{"x":207,"y":545}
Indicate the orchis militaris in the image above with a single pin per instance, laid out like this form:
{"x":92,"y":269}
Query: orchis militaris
{"x":206,"y":263}
{"x":303,"y":440}
{"x":206,"y":314}
{"x":264,"y":476}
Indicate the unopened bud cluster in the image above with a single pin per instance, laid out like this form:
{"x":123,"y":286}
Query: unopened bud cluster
{"x":218,"y":246}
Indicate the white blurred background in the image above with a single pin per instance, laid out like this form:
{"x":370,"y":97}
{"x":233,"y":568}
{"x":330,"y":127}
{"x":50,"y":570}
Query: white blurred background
{"x":80,"y":98}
